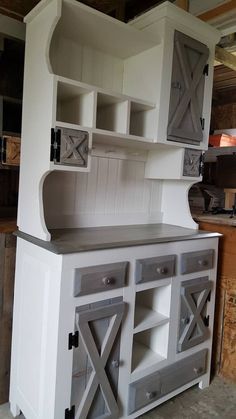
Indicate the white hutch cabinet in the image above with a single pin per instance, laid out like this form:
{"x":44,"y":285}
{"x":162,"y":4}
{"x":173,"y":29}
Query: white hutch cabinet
{"x":115,"y":286}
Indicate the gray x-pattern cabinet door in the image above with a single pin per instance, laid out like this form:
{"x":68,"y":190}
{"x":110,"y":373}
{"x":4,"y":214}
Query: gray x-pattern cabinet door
{"x":187,"y":90}
{"x":70,"y":147}
{"x":96,"y":360}
{"x":193,"y":326}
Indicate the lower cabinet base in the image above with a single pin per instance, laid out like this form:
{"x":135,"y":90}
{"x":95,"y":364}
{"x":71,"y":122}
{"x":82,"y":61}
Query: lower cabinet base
{"x":112,"y":354}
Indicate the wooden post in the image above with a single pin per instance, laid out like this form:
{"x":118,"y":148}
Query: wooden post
{"x":120,"y":10}
{"x":229,"y":198}
{"x":183,"y":4}
{"x":7,"y":270}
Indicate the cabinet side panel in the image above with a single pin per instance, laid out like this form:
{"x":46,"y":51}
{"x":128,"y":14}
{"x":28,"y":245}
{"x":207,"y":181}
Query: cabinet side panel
{"x":34,"y":332}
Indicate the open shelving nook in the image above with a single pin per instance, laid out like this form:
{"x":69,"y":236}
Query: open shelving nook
{"x":151,"y":327}
{"x":108,"y":114}
{"x":82,"y":50}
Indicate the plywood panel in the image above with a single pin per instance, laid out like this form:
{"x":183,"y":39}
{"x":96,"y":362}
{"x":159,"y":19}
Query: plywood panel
{"x":224,"y":354}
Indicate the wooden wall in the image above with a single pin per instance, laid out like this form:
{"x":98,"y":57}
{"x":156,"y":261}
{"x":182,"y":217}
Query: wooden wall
{"x":223,"y":116}
{"x":9,"y":180}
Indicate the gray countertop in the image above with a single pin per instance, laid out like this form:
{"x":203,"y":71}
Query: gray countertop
{"x":66,"y":241}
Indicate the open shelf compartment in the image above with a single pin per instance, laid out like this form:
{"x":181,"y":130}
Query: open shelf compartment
{"x":150,"y":347}
{"x":152,"y":308}
{"x":143,"y":119}
{"x":112,"y":113}
{"x":75,"y":104}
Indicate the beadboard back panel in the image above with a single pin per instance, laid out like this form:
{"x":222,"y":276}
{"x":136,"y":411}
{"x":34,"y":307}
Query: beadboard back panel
{"x":113,"y":193}
{"x":83,"y":63}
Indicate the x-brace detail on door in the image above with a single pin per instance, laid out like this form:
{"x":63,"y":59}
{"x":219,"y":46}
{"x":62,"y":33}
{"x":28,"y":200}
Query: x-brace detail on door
{"x":98,"y":361}
{"x":194,"y":298}
{"x":74,"y":147}
{"x":191,"y":78}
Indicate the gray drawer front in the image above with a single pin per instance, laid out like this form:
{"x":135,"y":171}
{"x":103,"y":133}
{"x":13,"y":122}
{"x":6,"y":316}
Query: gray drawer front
{"x":152,"y":269}
{"x":182,"y":372}
{"x":144,"y":391}
{"x":99,"y":278}
{"x":168,"y":379}
{"x":197,"y":261}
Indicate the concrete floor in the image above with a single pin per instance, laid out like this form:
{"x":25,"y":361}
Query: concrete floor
{"x":217,"y":401}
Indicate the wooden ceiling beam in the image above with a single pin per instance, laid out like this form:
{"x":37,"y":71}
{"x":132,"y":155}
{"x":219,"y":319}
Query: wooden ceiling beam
{"x":225,"y":57}
{"x":218,"y":11}
{"x":183,"y":4}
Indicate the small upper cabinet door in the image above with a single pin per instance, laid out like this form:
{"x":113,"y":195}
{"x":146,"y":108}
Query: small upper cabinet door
{"x":186,"y":123}
{"x":192,"y":163}
{"x":69,"y":147}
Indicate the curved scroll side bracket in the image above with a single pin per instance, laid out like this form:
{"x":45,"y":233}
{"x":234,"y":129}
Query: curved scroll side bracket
{"x":175,"y":205}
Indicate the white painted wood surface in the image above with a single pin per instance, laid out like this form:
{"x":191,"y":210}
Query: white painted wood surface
{"x":113,"y":193}
{"x":89,"y":72}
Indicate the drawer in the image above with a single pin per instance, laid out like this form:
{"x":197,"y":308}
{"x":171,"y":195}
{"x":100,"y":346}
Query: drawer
{"x":197,"y":261}
{"x":182,"y":372}
{"x":155,"y":268}
{"x":144,"y":391}
{"x":99,"y":278}
{"x":153,"y":387}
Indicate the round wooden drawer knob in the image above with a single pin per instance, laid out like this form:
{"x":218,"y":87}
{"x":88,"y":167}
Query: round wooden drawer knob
{"x":162,"y":271}
{"x":108,"y":281}
{"x":185,"y":320}
{"x":150,"y":395}
{"x":115,"y":363}
{"x":203,"y":262}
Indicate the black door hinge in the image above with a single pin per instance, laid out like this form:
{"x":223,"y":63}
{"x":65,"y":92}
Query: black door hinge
{"x":206,"y":321}
{"x":3,"y":150}
{"x":206,"y":70}
{"x":55,"y":145}
{"x":209,"y":297}
{"x":70,"y":413}
{"x":202,"y":121}
{"x":201,"y":165}
{"x":73,"y":340}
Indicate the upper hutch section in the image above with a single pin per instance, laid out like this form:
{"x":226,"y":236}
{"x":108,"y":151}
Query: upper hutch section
{"x":96,"y":88}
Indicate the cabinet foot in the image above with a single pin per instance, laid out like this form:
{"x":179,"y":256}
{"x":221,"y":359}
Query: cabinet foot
{"x":15,"y":411}
{"x":204,"y":383}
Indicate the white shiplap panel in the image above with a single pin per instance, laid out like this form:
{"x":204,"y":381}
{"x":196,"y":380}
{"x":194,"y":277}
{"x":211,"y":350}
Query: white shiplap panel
{"x":100,"y":202}
{"x":114,"y":192}
{"x":102,"y":70}
{"x":91,"y":180}
{"x":113,"y":166}
{"x":80,"y":192}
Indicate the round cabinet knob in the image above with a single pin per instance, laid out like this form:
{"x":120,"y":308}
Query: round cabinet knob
{"x":150,"y":395}
{"x":185,"y":320}
{"x":162,"y":270}
{"x":115,"y":363}
{"x":198,"y":371}
{"x":203,"y":262}
{"x":108,"y":281}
